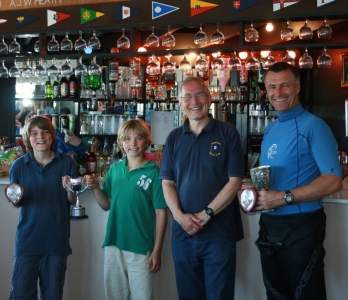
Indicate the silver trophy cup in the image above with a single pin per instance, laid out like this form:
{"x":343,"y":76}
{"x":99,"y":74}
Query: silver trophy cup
{"x":260,"y":178}
{"x":77,"y":186}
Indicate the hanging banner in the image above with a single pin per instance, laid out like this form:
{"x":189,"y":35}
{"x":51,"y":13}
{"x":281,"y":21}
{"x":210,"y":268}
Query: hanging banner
{"x":239,"y":5}
{"x":23,"y":19}
{"x":321,"y":3}
{"x":198,"y":7}
{"x":160,"y":9}
{"x":87,"y":15}
{"x":53,"y":17}
{"x":280,"y":4}
{"x":123,"y":12}
{"x":2,"y":21}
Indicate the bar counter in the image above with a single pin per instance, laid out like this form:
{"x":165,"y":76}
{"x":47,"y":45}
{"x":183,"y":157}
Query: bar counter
{"x":84,"y":277}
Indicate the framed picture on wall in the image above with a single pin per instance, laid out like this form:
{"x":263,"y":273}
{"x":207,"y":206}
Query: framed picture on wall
{"x":344,"y":78}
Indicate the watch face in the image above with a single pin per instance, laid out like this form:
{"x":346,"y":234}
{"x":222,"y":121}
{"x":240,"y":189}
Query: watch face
{"x":209,"y":212}
{"x":289,"y":198}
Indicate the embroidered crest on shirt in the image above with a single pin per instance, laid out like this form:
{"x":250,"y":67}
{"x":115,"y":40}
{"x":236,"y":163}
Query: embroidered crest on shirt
{"x":144,"y":182}
{"x":215,"y":149}
{"x":272,"y":151}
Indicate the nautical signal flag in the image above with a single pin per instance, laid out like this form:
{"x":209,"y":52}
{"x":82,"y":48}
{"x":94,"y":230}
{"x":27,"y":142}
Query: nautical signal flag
{"x":2,"y":21}
{"x":54,"y":17}
{"x":87,"y":15}
{"x":198,"y":7}
{"x":239,"y":5}
{"x":280,"y":4}
{"x":325,"y":2}
{"x":160,"y":9}
{"x":23,"y":19}
{"x":123,"y":12}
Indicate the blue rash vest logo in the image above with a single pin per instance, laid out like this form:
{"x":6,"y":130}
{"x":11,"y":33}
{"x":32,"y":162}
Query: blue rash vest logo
{"x":215,"y":149}
{"x":272,"y":151}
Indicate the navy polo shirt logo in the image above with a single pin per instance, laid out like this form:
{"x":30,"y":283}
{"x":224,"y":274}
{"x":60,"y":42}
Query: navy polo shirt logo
{"x":215,"y":149}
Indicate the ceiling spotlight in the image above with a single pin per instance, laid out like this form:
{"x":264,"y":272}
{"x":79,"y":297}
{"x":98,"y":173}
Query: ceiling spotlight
{"x":292,"y":54}
{"x":264,"y":53}
{"x":269,"y":27}
{"x":141,"y":49}
{"x":192,"y":55}
{"x":243,"y":55}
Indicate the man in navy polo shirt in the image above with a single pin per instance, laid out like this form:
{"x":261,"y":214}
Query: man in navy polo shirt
{"x":201,"y":172}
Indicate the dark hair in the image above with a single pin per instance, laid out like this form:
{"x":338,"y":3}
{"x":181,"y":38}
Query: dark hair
{"x":139,"y":127}
{"x":29,"y":116}
{"x":283,"y":66}
{"x":43,"y":124}
{"x":64,"y":111}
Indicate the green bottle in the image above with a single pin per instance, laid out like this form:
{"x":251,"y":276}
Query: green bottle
{"x":56,"y":88}
{"x":48,"y":89}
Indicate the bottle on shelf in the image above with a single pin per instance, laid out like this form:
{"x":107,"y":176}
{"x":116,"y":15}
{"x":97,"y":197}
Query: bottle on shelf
{"x":113,"y":77}
{"x":91,"y":161}
{"x":73,"y":86}
{"x":48,"y":89}
{"x":56,"y":88}
{"x":64,"y":87}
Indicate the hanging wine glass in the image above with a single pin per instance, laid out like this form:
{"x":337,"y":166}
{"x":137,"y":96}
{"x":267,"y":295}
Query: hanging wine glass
{"x":287,"y":33}
{"x":3,"y":46}
{"x":40,"y":69}
{"x":37,"y":46}
{"x":200,"y":37}
{"x":27,"y":70}
{"x":202,"y":67}
{"x":66,"y":68}
{"x":268,"y":61}
{"x":14,"y":47}
{"x":152,"y":40}
{"x":252,"y":63}
{"x":66,"y":44}
{"x":169,"y":39}
{"x":288,"y":58}
{"x":80,"y":68}
{"x":185,"y":66}
{"x":217,"y":63}
{"x":305,"y":33}
{"x":305,"y":61}
{"x":53,"y":70}
{"x":53,"y":45}
{"x":80,"y":43}
{"x":14,"y":70}
{"x":324,"y":31}
{"x":94,"y":42}
{"x":123,"y":42}
{"x":94,"y":68}
{"x":324,"y":60}
{"x":217,"y":37}
{"x":251,"y":34}
{"x":3,"y":70}
{"x":235,"y":63}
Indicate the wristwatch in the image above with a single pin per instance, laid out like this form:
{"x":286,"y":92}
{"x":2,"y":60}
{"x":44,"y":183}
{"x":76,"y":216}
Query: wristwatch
{"x":288,"y":197}
{"x":209,"y":212}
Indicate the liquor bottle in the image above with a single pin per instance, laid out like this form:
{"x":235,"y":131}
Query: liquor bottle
{"x":56,"y":88}
{"x":113,"y":77}
{"x":91,"y":161}
{"x":73,"y":84}
{"x":64,"y":87}
{"x":48,"y":89}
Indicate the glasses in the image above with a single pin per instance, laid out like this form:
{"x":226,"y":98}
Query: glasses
{"x":27,"y":70}
{"x":251,"y":34}
{"x":66,"y":68}
{"x":217,"y":37}
{"x":14,"y":47}
{"x":3,"y":70}
{"x":123,"y":42}
{"x":198,"y":96}
{"x":94,"y":42}
{"x":53,"y":44}
{"x":3,"y":46}
{"x":80,"y":43}
{"x":152,"y":40}
{"x":287,"y":33}
{"x":66,"y":44}
{"x":53,"y":70}
{"x":14,"y":70}
{"x":200,"y":37}
{"x":37,"y":46}
{"x":169,"y":39}
{"x":80,"y":68}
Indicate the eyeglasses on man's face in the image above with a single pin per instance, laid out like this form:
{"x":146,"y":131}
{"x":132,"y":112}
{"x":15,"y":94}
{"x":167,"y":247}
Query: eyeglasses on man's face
{"x":198,"y":96}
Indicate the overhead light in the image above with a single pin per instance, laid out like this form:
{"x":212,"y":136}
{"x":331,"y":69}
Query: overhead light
{"x":264,"y":53}
{"x":243,"y":55}
{"x":192,"y":55}
{"x":269,"y":27}
{"x":292,"y":54}
{"x":141,"y":49}
{"x":216,"y":54}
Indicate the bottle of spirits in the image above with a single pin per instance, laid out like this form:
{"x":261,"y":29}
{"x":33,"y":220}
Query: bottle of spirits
{"x":48,"y":89}
{"x":64,"y":87}
{"x":56,"y":88}
{"x":73,"y":86}
{"x":91,"y":161}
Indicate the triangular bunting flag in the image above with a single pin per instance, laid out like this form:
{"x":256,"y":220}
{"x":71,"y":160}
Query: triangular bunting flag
{"x":239,"y":5}
{"x":54,"y":17}
{"x":123,"y":12}
{"x":160,"y":9}
{"x":198,"y":7}
{"x":280,"y":4}
{"x":23,"y":19}
{"x":321,"y":3}
{"x":2,"y":21}
{"x":87,"y":15}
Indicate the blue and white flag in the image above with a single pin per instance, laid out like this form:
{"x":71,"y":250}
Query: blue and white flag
{"x":160,"y":9}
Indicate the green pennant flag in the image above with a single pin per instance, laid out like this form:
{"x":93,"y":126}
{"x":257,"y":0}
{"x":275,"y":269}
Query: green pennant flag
{"x":87,"y":15}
